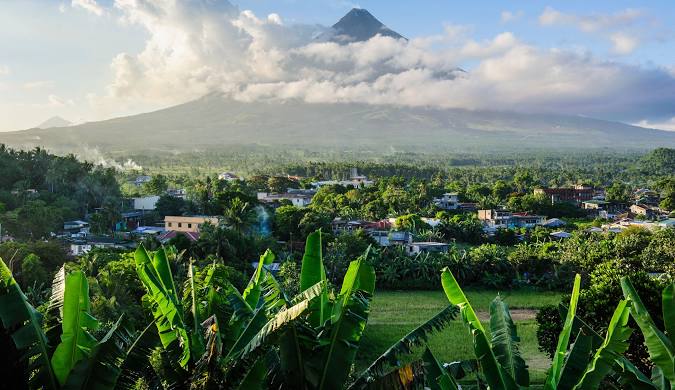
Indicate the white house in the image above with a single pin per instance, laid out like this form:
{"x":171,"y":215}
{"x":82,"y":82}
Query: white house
{"x":146,"y":202}
{"x":449,"y":201}
{"x":297,"y":199}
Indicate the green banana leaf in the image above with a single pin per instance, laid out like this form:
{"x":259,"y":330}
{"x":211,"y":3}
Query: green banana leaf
{"x":614,"y":346}
{"x":166,"y":308}
{"x":282,"y":318}
{"x":505,"y":342}
{"x":23,"y":323}
{"x":496,"y":376}
{"x":436,"y":376}
{"x":102,"y":369}
{"x":252,"y":292}
{"x":553,"y":377}
{"x":625,"y":372}
{"x":668,"y":308}
{"x":312,"y":272}
{"x":338,"y":344}
{"x":197,"y":337}
{"x":137,"y":363}
{"x":76,"y":341}
{"x":659,"y":346}
{"x":404,"y":346}
{"x":577,"y":361}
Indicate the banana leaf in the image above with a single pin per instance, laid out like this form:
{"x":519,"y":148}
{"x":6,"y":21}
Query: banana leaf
{"x":576,"y":362}
{"x":614,"y":346}
{"x":166,"y":308}
{"x":625,"y":372}
{"x":76,"y":341}
{"x":505,"y":342}
{"x":311,"y":273}
{"x":338,"y":344}
{"x":659,"y":346}
{"x":495,"y":375}
{"x":197,"y":339}
{"x":23,"y":323}
{"x":137,"y":363}
{"x":404,"y":346}
{"x":252,"y":292}
{"x":668,"y":308}
{"x":553,"y":377}
{"x":102,"y":369}
{"x":436,"y":376}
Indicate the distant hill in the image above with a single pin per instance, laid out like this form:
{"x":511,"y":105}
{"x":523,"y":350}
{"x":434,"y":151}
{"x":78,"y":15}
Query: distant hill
{"x":55,"y":121}
{"x":213,"y":121}
{"x":358,"y":25}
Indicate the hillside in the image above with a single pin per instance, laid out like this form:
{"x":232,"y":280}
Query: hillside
{"x":211,"y":121}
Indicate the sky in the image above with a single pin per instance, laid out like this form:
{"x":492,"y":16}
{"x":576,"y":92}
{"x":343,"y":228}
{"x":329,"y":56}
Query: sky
{"x":87,"y":60}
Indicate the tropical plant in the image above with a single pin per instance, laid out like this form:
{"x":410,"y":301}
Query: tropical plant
{"x":588,"y":363}
{"x":78,"y":360}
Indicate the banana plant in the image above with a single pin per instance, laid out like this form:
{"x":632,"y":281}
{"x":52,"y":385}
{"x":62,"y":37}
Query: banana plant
{"x":210,"y":330}
{"x":79,"y":361}
{"x":660,"y":345}
{"x":583,"y":366}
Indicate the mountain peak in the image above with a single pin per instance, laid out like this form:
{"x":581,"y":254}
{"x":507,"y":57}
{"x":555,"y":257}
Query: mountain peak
{"x":55,"y":121}
{"x":359,"y":25}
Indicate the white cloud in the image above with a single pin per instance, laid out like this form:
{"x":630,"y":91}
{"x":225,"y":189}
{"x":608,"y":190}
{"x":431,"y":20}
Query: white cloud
{"x":88,"y":5}
{"x":624,"y":43}
{"x":38,"y":84}
{"x":199,"y":47}
{"x":57,"y":101}
{"x":661,"y":125}
{"x":590,"y":23}
{"x":510,"y":16}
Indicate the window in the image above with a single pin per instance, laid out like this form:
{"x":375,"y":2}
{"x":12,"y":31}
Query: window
{"x":189,"y":226}
{"x":170,"y":224}
{"x":180,"y":224}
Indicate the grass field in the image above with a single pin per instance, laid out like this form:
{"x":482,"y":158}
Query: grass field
{"x":395,"y":313}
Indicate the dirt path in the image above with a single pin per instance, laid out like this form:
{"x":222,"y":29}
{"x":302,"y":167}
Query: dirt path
{"x":516,"y":314}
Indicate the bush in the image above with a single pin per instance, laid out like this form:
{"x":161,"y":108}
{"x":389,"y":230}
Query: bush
{"x":597,"y":303}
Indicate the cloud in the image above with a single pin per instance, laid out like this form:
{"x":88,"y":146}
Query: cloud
{"x":4,"y":70}
{"x":624,"y":43}
{"x":57,"y":101}
{"x":89,"y":5}
{"x":591,"y":23}
{"x":200,"y":47}
{"x":510,"y":16}
{"x":38,"y":84}
{"x":668,"y":125}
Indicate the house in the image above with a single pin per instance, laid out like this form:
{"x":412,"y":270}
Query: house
{"x":177,"y":193}
{"x":399,"y":237}
{"x":500,"y":219}
{"x":649,"y":212}
{"x":140,"y":180}
{"x":297,"y":199}
{"x":380,"y":236}
{"x":145,"y":202}
{"x":554,"y":223}
{"x":167,"y":236}
{"x":603,"y":209}
{"x":76,"y":227}
{"x":577,"y":194}
{"x":414,"y":248}
{"x":449,"y":201}
{"x":187,"y":224}
{"x":561,"y":235}
{"x":646,"y":196}
{"x":229,"y":176}
{"x":355,"y":180}
{"x":81,"y":247}
{"x":130,"y":220}
{"x":339,"y":225}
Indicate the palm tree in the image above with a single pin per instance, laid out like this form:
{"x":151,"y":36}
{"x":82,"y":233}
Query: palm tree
{"x":239,"y":214}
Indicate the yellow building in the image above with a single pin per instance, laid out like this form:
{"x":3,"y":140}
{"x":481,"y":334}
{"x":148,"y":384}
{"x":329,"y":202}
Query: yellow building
{"x":187,"y":224}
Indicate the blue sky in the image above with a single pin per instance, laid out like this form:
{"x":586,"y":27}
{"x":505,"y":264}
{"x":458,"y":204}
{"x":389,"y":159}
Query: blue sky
{"x":90,"y":60}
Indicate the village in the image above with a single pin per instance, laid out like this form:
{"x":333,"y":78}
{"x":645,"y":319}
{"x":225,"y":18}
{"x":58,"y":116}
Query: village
{"x":140,"y":219}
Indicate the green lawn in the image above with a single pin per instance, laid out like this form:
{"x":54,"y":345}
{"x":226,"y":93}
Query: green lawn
{"x":395,"y":313}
